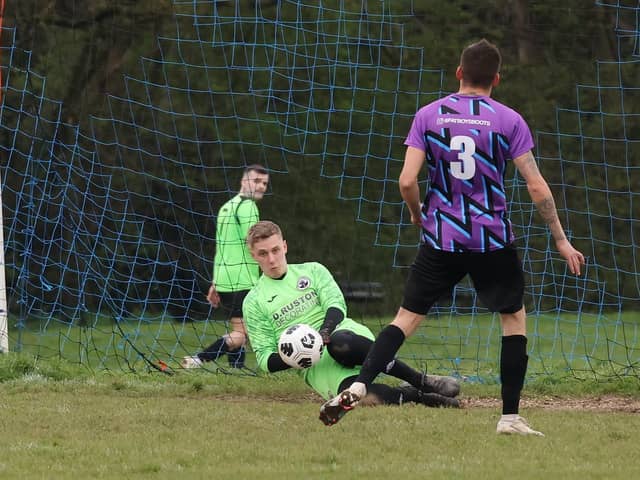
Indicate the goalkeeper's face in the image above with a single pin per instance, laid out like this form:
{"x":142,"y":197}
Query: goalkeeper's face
{"x":271,"y":255}
{"x":254,"y":185}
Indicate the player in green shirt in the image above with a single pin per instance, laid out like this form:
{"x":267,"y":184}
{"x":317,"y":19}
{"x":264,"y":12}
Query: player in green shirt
{"x":234,"y":271}
{"x":288,"y":294}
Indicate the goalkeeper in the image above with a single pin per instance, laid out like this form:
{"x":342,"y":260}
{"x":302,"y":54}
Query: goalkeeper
{"x":234,"y":270}
{"x":287,"y":295}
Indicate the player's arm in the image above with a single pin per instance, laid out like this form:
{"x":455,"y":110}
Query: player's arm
{"x":408,"y":182}
{"x":213,"y":296}
{"x":276,"y":364}
{"x":262,"y":336}
{"x":331,"y":299}
{"x":332,"y":318}
{"x":543,"y":199}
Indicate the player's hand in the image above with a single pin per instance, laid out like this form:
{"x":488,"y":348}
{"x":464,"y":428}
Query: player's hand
{"x":573,"y":257}
{"x":213,"y":297}
{"x":417,"y":218}
{"x":326,"y":335}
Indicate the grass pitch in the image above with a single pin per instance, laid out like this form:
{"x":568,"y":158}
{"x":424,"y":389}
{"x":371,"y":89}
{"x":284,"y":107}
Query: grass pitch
{"x":63,"y":423}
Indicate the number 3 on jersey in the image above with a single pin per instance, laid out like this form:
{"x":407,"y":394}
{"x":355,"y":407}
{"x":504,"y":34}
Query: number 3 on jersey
{"x":465,"y":167}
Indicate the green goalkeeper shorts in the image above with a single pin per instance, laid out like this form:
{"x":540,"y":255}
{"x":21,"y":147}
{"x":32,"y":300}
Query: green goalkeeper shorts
{"x":326,"y":376}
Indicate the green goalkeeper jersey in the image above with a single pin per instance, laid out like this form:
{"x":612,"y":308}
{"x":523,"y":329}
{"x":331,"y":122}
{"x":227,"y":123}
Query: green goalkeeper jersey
{"x":233,"y":267}
{"x":303,"y":295}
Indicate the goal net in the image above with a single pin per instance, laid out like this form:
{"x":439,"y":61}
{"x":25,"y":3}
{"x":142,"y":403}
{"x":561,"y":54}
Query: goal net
{"x":125,"y":128}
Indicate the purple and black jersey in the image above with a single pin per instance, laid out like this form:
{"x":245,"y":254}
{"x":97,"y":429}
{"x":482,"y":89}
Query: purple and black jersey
{"x":467,"y":140}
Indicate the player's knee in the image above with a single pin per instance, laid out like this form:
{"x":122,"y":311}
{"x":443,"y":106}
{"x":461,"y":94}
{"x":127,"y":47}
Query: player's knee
{"x":342,"y":339}
{"x":514,"y":323}
{"x":348,"y":348}
{"x":236,"y":340}
{"x":340,"y":347}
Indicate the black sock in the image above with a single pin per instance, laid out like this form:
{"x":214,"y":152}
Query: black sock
{"x":382,"y":352}
{"x":404,"y":372}
{"x":513,"y":368}
{"x":236,"y":357}
{"x":386,"y":394}
{"x":213,"y":351}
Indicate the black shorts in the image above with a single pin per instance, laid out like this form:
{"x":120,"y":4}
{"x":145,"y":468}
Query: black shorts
{"x":231,"y":302}
{"x":497,"y":278}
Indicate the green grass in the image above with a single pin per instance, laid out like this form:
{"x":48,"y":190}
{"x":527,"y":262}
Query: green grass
{"x":61,"y":421}
{"x":560,"y":346}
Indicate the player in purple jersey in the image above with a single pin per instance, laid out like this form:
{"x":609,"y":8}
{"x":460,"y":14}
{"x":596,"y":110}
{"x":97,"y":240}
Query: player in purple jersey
{"x":466,"y":139}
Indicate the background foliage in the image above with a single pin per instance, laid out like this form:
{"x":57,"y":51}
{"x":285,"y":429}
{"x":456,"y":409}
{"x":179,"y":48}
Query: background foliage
{"x":125,"y":126}
{"x":86,"y":49}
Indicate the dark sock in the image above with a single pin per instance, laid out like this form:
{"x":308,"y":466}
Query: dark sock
{"x":236,"y":357}
{"x":213,"y":351}
{"x":382,"y":352}
{"x":387,"y":395}
{"x":513,"y":368}
{"x":404,"y":372}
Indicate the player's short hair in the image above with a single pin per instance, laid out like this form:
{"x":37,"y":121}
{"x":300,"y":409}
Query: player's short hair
{"x":255,"y":167}
{"x":261,"y":231}
{"x":480,"y":62}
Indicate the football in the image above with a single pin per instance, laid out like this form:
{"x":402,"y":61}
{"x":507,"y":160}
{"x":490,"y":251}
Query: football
{"x":300,"y":346}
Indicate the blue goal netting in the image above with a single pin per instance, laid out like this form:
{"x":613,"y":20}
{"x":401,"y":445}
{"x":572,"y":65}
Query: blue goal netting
{"x":109,"y":209}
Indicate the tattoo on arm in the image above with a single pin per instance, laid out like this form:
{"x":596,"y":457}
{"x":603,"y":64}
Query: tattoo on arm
{"x":547,"y":209}
{"x":548,"y":212}
{"x":528,"y":166}
{"x":546,"y":206}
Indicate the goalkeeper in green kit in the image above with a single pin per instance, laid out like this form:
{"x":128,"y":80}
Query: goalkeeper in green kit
{"x":234,"y":270}
{"x":287,"y":295}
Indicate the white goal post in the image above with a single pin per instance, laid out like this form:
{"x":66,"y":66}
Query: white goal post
{"x":4,"y":326}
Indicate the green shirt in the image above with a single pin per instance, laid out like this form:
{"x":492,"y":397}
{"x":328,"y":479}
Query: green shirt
{"x":233,"y":267}
{"x":303,"y":295}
